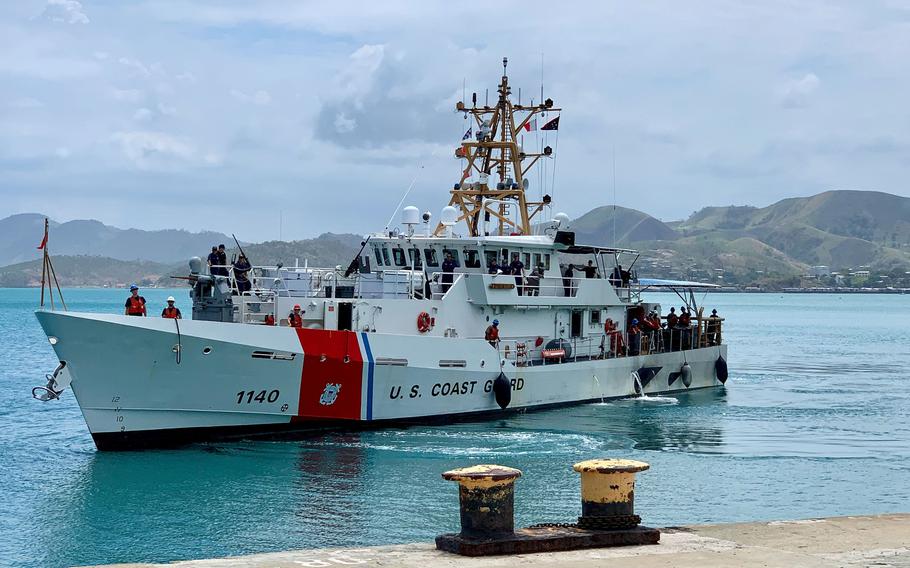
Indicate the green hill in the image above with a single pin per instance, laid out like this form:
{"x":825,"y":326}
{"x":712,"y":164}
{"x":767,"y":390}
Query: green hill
{"x":84,"y":270}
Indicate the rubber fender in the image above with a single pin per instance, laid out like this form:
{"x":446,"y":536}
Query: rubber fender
{"x":686,"y":372}
{"x":560,"y":343}
{"x":720,"y":369}
{"x":502,"y":390}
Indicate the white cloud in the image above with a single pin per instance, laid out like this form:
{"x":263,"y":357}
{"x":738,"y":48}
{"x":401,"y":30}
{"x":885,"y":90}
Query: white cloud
{"x":144,"y":148}
{"x":259,"y":98}
{"x":65,"y":12}
{"x":142,"y":115}
{"x":63,"y":152}
{"x":797,"y":93}
{"x":137,"y":67}
{"x":343,"y":124}
{"x":166,"y":109}
{"x":128,"y":95}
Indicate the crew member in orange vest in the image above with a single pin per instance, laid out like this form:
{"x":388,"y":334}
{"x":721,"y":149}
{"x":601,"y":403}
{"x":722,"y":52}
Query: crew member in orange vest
{"x":269,"y":320}
{"x":295,"y":318}
{"x":171,"y":311}
{"x":492,"y":333}
{"x":135,"y":304}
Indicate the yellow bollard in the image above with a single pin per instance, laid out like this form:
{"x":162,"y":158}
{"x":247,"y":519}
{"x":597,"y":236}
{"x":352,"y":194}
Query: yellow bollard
{"x":486,"y":495}
{"x":608,"y":493}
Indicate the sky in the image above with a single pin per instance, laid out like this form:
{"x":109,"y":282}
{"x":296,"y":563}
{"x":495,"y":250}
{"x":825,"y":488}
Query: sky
{"x":288,"y":119}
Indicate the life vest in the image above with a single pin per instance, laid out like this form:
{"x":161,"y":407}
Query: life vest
{"x":672,"y":320}
{"x":616,"y":342}
{"x":172,"y":313}
{"x":136,"y":306}
{"x":685,"y":320}
{"x":294,"y":320}
{"x":269,"y":320}
{"x":492,"y":333}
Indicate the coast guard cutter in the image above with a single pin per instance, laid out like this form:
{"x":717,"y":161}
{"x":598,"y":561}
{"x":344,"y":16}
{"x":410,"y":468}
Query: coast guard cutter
{"x":393,"y":338}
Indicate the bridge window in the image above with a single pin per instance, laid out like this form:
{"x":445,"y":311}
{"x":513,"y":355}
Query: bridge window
{"x":526,"y":259}
{"x":430,"y":254}
{"x":378,"y":255}
{"x":454,"y":254}
{"x":472,"y":258}
{"x":414,"y":256}
{"x":398,"y":255}
{"x":490,"y":257}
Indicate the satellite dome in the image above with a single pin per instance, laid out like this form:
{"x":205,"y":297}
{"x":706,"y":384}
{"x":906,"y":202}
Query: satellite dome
{"x":410,"y":215}
{"x":562,"y":219}
{"x":448,"y":216}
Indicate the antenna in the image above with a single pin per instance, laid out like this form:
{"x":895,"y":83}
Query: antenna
{"x":614,"y":197}
{"x":405,"y":196}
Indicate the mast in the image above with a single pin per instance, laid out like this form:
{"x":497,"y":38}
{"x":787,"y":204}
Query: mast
{"x":494,"y":154}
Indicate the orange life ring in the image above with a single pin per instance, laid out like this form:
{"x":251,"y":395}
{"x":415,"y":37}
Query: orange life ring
{"x":424,"y":322}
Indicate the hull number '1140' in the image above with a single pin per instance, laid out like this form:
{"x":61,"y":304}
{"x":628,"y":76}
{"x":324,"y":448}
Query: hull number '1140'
{"x":257,"y":396}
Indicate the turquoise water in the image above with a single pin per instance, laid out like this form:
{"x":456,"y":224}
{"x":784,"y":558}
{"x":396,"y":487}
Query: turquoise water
{"x":814,"y":421}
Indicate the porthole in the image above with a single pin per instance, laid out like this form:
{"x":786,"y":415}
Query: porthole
{"x":206,"y":350}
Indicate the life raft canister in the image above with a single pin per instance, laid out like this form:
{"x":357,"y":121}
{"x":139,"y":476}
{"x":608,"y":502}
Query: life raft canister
{"x":686,"y":372}
{"x":502,"y":390}
{"x":424,"y":322}
{"x":720,"y":369}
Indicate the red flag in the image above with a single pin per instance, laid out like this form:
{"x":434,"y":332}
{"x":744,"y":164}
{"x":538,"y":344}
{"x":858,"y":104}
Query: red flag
{"x":531,"y":125}
{"x":43,"y":241}
{"x":552,"y":125}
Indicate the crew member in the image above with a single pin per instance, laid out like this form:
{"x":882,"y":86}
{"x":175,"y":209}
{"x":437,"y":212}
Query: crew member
{"x":448,"y":267}
{"x":242,"y":274}
{"x":568,"y":284}
{"x":634,"y":338}
{"x":516,"y":268}
{"x":135,"y":304}
{"x":295,"y":318}
{"x":533,"y":287}
{"x":493,"y":268}
{"x":269,"y":320}
{"x":492,"y":334}
{"x":671,"y":334}
{"x":171,"y":311}
{"x":712,"y":328}
{"x":617,"y":346}
{"x":590,"y":270}
{"x":213,"y":262}
{"x":222,"y":261}
{"x":685,"y":327}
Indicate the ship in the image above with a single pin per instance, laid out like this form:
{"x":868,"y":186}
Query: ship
{"x":491,"y":310}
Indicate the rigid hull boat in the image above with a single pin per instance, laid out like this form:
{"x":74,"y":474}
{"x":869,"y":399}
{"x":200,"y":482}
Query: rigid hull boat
{"x":402,"y":334}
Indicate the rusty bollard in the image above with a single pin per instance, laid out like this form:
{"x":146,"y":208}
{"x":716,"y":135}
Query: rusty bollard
{"x":608,"y":493}
{"x":486,"y":494}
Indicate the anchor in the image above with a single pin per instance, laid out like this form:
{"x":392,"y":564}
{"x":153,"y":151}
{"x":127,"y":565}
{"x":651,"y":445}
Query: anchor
{"x":56,"y":384}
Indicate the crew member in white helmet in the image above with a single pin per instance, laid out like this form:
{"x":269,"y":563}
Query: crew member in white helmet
{"x":171,"y":311}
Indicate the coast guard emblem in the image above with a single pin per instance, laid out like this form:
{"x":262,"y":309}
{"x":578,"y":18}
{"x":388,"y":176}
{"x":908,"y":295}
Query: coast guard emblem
{"x":330,"y":394}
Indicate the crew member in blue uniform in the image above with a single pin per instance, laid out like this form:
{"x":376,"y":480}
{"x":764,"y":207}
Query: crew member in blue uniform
{"x":448,"y":267}
{"x":516,"y":268}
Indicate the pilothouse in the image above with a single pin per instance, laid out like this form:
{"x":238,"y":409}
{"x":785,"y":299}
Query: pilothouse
{"x":401,"y":334}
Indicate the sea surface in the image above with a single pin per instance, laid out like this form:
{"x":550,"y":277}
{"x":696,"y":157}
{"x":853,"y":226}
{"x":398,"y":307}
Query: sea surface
{"x":814,"y":421}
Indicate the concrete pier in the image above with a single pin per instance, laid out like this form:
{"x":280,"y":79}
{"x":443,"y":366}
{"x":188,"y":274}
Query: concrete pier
{"x":882,"y":540}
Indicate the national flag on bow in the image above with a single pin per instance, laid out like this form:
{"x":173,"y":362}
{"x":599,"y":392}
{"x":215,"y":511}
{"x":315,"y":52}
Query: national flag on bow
{"x":552,"y":125}
{"x":467,"y":134}
{"x":531,"y":125}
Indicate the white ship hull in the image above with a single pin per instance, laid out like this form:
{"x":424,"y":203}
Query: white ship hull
{"x":245,"y":380}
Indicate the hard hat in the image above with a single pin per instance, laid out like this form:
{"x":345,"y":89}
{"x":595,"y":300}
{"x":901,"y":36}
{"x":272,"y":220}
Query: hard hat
{"x":133,"y":287}
{"x":634,"y":322}
{"x":171,"y":299}
{"x":296,"y":306}
{"x":495,"y":322}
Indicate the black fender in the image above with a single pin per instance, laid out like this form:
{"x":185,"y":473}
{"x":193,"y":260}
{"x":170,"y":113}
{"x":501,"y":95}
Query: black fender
{"x":720,"y":370}
{"x":502,"y":390}
{"x":686,"y":373}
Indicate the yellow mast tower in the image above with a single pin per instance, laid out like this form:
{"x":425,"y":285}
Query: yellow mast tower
{"x":495,"y":153}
